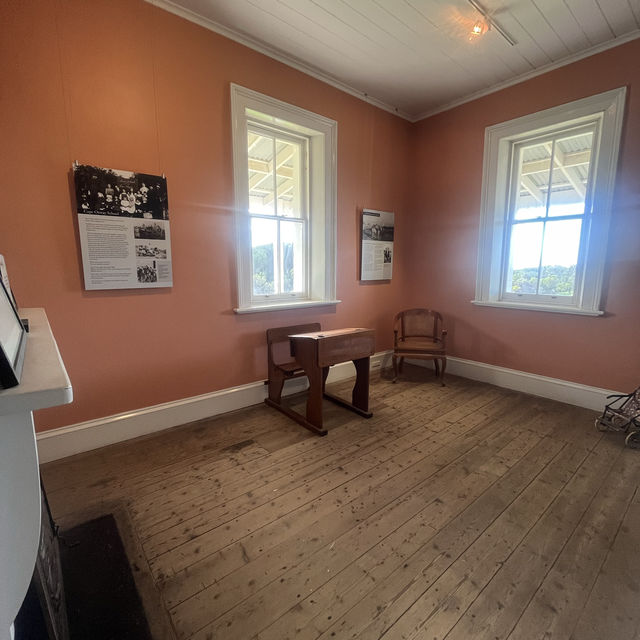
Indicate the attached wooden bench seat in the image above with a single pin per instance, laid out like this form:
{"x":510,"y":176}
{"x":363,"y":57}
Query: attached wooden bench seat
{"x":281,"y":365}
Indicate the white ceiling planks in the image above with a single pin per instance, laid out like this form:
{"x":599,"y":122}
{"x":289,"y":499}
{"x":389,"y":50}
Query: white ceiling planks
{"x":619,"y":15}
{"x":591,"y":19}
{"x":417,"y":57}
{"x":565,"y":26}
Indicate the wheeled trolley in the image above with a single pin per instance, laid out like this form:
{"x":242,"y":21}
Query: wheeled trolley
{"x":622,"y":414}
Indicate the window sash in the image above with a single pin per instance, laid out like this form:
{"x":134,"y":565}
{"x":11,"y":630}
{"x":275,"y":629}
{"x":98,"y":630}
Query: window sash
{"x":514,"y":182}
{"x":279,"y":293}
{"x":276,"y":134}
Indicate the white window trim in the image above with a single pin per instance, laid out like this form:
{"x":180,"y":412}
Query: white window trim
{"x":321,"y":261}
{"x":608,"y":108}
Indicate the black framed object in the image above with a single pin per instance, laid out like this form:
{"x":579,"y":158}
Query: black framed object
{"x":13,"y":341}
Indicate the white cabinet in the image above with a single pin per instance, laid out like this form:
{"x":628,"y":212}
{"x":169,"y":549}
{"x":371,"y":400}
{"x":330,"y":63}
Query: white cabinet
{"x":44,"y":383}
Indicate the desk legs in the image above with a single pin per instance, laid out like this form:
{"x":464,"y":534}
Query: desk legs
{"x":317,"y":380}
{"x":360,"y":396}
{"x":313,"y":420}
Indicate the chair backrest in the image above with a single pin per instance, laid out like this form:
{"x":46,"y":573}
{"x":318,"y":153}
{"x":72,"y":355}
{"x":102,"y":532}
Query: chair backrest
{"x":278,"y":341}
{"x":418,"y":322}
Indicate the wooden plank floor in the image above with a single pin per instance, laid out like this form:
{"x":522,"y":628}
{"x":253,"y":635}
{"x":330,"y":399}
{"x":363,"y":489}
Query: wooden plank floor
{"x":456,"y":512}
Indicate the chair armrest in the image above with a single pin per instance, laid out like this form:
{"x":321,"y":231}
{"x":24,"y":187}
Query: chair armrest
{"x":443,"y":337}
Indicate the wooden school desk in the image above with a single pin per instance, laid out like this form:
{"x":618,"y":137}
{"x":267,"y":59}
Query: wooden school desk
{"x":315,"y":352}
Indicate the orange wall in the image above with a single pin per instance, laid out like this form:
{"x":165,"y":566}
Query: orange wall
{"x":122,"y":84}
{"x":445,"y":204}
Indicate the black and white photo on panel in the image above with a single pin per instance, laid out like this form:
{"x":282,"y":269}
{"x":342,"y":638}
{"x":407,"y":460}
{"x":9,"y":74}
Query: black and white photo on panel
{"x":114,"y":192}
{"x":147,"y":271}
{"x":149,"y":231}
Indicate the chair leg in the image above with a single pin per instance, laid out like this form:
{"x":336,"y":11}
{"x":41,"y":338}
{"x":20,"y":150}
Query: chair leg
{"x":394,"y":360}
{"x":436,"y":366}
{"x":444,"y":366}
{"x":401,"y":363}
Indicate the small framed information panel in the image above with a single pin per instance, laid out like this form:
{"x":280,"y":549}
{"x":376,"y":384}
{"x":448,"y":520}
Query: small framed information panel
{"x":377,"y":245}
{"x":12,"y":341}
{"x":123,"y":220}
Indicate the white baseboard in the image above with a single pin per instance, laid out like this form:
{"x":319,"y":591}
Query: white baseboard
{"x":85,"y":436}
{"x":579,"y":395}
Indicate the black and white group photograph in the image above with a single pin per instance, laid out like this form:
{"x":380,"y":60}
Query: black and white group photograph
{"x":114,"y":192}
{"x":147,"y":271}
{"x":149,"y":231}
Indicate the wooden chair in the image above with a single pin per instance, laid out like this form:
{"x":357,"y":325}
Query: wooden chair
{"x":418,"y":333}
{"x":281,"y":365}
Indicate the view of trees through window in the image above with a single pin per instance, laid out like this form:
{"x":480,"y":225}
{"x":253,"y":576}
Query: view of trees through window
{"x":263,"y":269}
{"x":555,"y":280}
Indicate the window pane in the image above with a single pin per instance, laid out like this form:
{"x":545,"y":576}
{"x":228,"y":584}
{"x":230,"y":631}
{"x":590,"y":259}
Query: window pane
{"x":289,"y":179}
{"x":531,"y":199}
{"x":524,"y":257}
{"x":292,"y":255}
{"x":261,"y":185}
{"x":571,"y":158}
{"x":264,"y":243}
{"x":560,"y":257}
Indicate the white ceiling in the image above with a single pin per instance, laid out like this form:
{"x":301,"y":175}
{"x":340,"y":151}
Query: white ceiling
{"x":416,"y":57}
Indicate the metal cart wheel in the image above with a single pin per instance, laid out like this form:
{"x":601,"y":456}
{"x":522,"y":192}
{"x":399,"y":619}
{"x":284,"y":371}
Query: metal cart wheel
{"x":600,"y":426}
{"x":633,"y":440}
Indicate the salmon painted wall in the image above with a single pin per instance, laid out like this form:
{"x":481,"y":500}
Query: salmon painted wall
{"x":446,"y":185}
{"x":123,"y":84}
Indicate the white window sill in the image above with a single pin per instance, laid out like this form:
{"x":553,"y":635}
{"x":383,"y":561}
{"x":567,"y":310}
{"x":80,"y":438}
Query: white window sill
{"x":281,"y":306}
{"x":528,"y":306}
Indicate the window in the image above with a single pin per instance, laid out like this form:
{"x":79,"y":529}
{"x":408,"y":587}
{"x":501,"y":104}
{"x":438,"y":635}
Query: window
{"x":546,"y":201}
{"x":285,"y":187}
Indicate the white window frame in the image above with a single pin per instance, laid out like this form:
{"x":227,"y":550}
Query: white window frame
{"x":500,"y":143}
{"x":321,"y":134}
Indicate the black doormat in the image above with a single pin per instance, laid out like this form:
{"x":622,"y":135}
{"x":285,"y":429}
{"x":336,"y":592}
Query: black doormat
{"x":102,"y":600}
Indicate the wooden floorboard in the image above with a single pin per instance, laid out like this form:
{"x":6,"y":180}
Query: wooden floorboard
{"x":456,"y":512}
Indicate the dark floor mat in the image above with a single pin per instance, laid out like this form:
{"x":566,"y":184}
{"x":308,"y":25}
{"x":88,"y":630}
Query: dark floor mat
{"x":102,"y":599}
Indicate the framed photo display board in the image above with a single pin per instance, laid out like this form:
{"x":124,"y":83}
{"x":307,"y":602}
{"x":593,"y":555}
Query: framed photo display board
{"x":123,"y":220}
{"x":377,"y":245}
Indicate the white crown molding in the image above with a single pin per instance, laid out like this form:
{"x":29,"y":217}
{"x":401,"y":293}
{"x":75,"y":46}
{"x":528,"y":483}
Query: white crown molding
{"x":276,"y":54}
{"x":599,"y":48}
{"x":85,"y":436}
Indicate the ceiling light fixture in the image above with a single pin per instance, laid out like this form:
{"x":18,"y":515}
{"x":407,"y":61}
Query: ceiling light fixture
{"x":487,"y":22}
{"x":480,"y":28}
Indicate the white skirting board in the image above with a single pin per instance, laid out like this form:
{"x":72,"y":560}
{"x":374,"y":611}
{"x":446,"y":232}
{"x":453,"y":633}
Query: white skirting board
{"x":85,"y":436}
{"x":579,"y":395}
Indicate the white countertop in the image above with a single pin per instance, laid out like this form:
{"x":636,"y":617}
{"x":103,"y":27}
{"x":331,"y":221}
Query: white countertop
{"x":44,"y":381}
